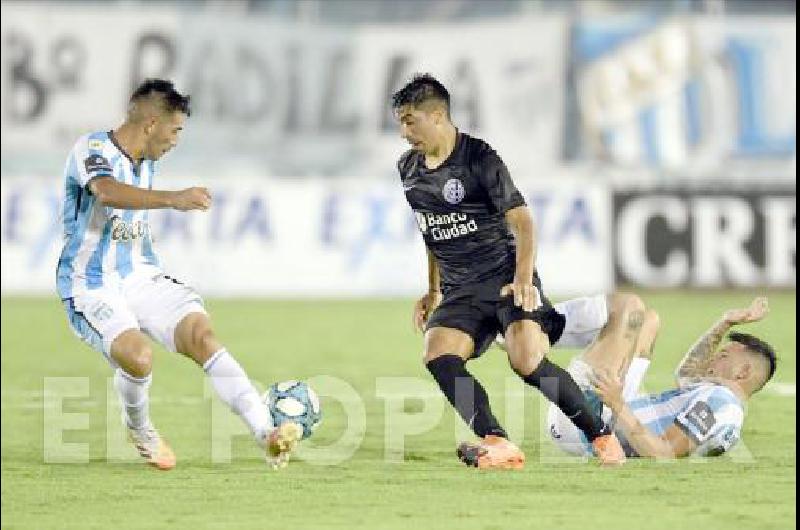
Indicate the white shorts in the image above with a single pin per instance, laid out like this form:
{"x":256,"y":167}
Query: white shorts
{"x":154,"y":304}
{"x":585,"y":317}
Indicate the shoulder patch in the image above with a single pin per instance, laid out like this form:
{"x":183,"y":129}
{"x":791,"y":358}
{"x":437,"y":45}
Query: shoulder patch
{"x":701,"y":417}
{"x":97,"y":164}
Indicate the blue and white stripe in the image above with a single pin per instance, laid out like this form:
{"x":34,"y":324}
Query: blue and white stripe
{"x":658,"y":412}
{"x":94,"y":253}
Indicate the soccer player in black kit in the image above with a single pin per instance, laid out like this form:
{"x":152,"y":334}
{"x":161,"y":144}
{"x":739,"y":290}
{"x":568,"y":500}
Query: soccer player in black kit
{"x":480,"y":239}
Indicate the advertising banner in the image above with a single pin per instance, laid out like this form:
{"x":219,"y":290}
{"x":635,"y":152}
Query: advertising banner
{"x":706,"y":237}
{"x":312,"y":238}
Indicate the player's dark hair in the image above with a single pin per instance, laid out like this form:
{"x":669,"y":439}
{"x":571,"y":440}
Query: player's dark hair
{"x":758,"y":347}
{"x":421,"y":88}
{"x":172,"y":99}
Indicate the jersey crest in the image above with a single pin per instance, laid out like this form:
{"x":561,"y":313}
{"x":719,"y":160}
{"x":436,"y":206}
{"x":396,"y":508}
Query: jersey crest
{"x":453,"y":191}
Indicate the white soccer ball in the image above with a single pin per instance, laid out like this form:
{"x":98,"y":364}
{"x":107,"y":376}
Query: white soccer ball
{"x":294,"y":401}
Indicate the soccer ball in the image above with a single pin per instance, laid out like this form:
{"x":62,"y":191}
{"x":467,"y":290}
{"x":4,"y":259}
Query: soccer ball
{"x":294,"y":401}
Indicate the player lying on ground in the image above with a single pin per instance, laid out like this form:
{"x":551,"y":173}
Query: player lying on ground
{"x":481,"y":246}
{"x":111,"y":282}
{"x":702,"y":415}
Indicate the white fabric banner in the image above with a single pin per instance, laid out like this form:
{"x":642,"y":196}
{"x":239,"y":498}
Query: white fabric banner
{"x":273,"y":97}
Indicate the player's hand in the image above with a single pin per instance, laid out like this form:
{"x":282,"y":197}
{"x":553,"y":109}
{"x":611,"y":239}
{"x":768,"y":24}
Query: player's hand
{"x":424,"y":307}
{"x":758,"y":309}
{"x":525,"y":294}
{"x":609,"y":387}
{"x":192,"y":199}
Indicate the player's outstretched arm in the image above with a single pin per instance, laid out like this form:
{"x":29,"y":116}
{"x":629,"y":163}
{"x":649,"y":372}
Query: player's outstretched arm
{"x":674,"y":443}
{"x":520,"y":222}
{"x":695,"y":362}
{"x":111,"y":192}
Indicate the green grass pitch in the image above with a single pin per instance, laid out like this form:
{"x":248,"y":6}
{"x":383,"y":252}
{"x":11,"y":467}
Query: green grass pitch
{"x":364,"y":344}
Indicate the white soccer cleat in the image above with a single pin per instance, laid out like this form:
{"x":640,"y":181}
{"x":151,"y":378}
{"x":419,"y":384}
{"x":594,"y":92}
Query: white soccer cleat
{"x":154,"y":449}
{"x":280,"y":442}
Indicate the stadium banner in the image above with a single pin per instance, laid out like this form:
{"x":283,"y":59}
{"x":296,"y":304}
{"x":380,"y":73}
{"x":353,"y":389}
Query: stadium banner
{"x":273,"y":96}
{"x":686,"y":92}
{"x":309,"y":238}
{"x":706,"y":236}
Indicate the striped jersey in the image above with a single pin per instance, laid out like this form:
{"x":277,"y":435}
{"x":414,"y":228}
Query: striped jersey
{"x":102,"y":244}
{"x":709,"y":413}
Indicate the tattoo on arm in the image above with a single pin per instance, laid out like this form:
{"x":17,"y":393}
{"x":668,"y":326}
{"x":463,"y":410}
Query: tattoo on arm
{"x":696,"y":359}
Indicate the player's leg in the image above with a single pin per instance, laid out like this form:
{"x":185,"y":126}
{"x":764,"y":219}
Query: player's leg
{"x":133,"y":355}
{"x":452,"y":333}
{"x":195,"y":338}
{"x":642,"y":354}
{"x":445,"y":356}
{"x":527,"y":343}
{"x":104,"y":320}
{"x":614,"y":346}
{"x":173,"y":314}
{"x":563,"y":431}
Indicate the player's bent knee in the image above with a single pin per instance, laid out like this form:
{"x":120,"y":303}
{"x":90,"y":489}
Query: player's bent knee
{"x":205,"y":341}
{"x":525,"y":363}
{"x":626,"y":303}
{"x":526,"y":346}
{"x":137,"y":362}
{"x":195,"y":338}
{"x":447,"y":341}
{"x":132,"y":352}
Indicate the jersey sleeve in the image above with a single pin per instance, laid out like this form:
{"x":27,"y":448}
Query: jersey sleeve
{"x":494,"y":175}
{"x":713,"y":420}
{"x":90,"y":161}
{"x":404,"y":162}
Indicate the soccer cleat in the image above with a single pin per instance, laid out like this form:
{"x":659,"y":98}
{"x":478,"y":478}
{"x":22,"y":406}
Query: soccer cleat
{"x":608,"y":450}
{"x":493,"y":452}
{"x":280,"y":442}
{"x":152,"y":447}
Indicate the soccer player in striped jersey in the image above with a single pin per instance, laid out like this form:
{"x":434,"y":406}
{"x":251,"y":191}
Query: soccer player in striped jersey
{"x":702,"y":415}
{"x":111,"y":282}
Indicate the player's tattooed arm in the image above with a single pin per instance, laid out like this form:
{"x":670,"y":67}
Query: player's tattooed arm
{"x":695,"y":362}
{"x":111,"y":192}
{"x":520,"y":222}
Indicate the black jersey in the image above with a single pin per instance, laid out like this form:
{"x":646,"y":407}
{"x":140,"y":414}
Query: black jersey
{"x":460,"y":209}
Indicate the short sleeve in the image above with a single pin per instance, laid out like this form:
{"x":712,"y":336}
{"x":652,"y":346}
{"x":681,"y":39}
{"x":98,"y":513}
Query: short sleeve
{"x":713,"y":420}
{"x":494,"y":175}
{"x":90,"y":161}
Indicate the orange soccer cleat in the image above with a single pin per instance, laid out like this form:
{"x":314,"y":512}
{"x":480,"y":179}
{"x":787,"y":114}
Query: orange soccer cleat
{"x":152,"y":447}
{"x":493,"y":452}
{"x":609,"y":450}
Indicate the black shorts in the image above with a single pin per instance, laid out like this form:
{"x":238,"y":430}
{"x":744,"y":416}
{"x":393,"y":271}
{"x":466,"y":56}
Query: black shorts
{"x":480,"y":312}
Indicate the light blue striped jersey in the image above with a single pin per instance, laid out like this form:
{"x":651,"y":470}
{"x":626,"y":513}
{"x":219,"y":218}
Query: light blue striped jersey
{"x":709,"y":413}
{"x":102,"y":244}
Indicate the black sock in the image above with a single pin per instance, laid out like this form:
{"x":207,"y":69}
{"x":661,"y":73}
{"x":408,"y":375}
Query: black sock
{"x":466,"y":394}
{"x":559,"y":387}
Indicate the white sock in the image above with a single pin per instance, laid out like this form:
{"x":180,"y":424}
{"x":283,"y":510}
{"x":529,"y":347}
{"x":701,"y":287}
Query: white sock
{"x":134,"y":397}
{"x":235,"y":389}
{"x":634,"y":377}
